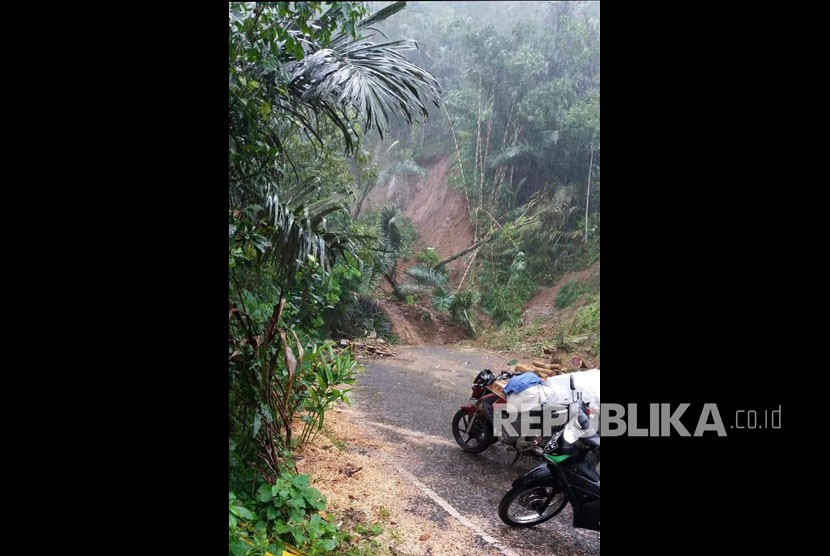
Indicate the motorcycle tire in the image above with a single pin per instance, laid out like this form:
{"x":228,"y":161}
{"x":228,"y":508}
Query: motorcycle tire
{"x":532,"y":493}
{"x":482,"y":437}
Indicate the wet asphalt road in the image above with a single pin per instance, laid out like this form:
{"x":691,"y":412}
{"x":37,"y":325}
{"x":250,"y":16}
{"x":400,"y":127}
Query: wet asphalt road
{"x":409,"y":401}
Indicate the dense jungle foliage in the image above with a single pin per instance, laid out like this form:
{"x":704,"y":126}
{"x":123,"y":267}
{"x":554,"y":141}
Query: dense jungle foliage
{"x":328,"y":101}
{"x":521,"y":111}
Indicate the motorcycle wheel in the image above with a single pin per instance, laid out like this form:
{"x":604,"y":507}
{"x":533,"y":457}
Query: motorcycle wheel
{"x":520,"y":507}
{"x":474,"y":441}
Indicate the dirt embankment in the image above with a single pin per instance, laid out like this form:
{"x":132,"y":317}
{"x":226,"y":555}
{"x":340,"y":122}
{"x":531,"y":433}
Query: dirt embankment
{"x":415,"y":325}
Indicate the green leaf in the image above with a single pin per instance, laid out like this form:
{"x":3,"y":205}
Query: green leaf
{"x":239,"y":548}
{"x":330,"y":544}
{"x":257,"y":425}
{"x":443,"y":300}
{"x":231,"y":522}
{"x":264,"y":493}
{"x":265,"y":108}
{"x":245,"y":513}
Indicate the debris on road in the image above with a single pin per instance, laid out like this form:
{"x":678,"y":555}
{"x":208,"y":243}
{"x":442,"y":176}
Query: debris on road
{"x":554,"y":366}
{"x":370,"y":344}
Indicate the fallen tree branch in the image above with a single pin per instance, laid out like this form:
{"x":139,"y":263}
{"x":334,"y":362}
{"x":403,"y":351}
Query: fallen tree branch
{"x":488,"y":238}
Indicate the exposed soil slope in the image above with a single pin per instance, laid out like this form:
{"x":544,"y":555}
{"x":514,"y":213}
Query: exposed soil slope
{"x":415,"y":325}
{"x":437,"y":210}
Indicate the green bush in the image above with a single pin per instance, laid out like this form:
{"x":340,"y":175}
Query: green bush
{"x":506,"y":292}
{"x":583,"y":330}
{"x":461,"y":310}
{"x":571,"y":291}
{"x":568,"y":294}
{"x":326,"y":372}
{"x":409,"y":233}
{"x":284,"y":515}
{"x":428,"y":256}
{"x":365,"y":315}
{"x":586,"y":319}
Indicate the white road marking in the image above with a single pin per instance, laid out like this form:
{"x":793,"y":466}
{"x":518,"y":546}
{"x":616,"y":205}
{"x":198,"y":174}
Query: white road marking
{"x":492,"y":541}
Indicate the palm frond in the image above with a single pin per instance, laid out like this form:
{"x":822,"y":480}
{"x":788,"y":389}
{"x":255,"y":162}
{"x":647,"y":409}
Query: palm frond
{"x":511,"y":155}
{"x":373,"y":79}
{"x":382,"y":14}
{"x":424,"y":274}
{"x":299,"y":233}
{"x":442,"y":299}
{"x":390,"y":236}
{"x":369,"y":278}
{"x":385,"y":261}
{"x":406,"y":167}
{"x":365,"y":315}
{"x":412,"y":289}
{"x":536,"y":150}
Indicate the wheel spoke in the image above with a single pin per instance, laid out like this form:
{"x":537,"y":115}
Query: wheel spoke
{"x":471,"y":435}
{"x":535,"y":504}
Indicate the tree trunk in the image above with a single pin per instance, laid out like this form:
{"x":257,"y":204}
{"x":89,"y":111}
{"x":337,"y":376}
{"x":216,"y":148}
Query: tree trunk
{"x":588,"y":196}
{"x":363,"y":195}
{"x":460,"y":162}
{"x":487,"y":238}
{"x":396,"y":288}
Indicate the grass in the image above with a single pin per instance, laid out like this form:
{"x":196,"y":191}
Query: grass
{"x":513,"y":338}
{"x":584,"y":324}
{"x":572,"y":291}
{"x":579,"y":322}
{"x":586,"y":319}
{"x":428,"y":256}
{"x":336,"y":442}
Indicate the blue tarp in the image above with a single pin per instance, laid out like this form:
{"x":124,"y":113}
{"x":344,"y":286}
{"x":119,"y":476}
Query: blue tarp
{"x":521,"y":382}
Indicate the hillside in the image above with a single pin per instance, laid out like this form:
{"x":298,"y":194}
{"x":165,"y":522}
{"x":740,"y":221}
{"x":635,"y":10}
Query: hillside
{"x":438,"y":212}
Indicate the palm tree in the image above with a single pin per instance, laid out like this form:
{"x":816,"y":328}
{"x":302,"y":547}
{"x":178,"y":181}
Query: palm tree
{"x":291,"y":75}
{"x":390,"y":244}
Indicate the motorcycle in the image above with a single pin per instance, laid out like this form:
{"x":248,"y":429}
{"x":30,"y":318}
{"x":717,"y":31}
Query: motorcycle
{"x":472,"y":425}
{"x":569,"y":475}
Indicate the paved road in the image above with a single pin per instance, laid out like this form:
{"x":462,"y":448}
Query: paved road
{"x":409,"y":401}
